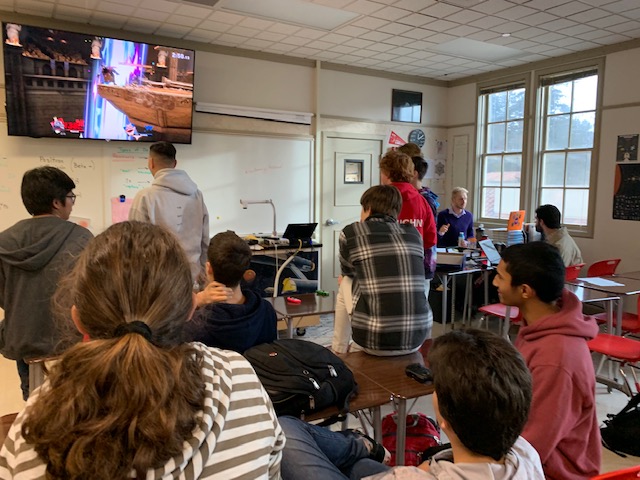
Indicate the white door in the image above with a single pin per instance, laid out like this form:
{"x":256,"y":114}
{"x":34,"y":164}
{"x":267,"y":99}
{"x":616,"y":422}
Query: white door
{"x":349,"y":167}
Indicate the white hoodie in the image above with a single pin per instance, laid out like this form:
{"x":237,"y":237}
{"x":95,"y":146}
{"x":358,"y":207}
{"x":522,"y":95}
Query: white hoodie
{"x":521,"y":463}
{"x":174,"y":202}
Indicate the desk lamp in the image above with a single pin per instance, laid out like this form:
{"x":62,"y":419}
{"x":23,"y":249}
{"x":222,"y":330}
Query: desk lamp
{"x":246,"y":203}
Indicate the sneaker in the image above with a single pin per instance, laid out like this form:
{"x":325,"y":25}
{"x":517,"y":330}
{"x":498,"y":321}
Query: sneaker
{"x":376,"y":450}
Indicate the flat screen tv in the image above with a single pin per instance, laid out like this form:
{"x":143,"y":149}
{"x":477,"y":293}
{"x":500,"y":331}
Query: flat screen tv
{"x":74,"y":85}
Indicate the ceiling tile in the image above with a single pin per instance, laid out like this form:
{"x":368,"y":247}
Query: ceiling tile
{"x":588,"y":15}
{"x":335,"y":38}
{"x":305,"y":51}
{"x":608,"y":21}
{"x":148,"y":14}
{"x":570,"y":8}
{"x":440,"y":10}
{"x":364,"y":7}
{"x":240,"y":31}
{"x":193,"y":11}
{"x":487,"y":22}
{"x":546,"y":4}
{"x":622,"y":6}
{"x":558,"y":25}
{"x":376,"y":36}
{"x":141,"y":26}
{"x":177,"y":31}
{"x":419,"y":33}
{"x":482,"y":35}
{"x":257,"y":43}
{"x":538,"y":18}
{"x":108,"y":20}
{"x":214,"y":26}
{"x":274,"y":37}
{"x":399,"y":41}
{"x":390,"y":14}
{"x":184,"y":21}
{"x":515,"y":13}
{"x":358,"y":43}
{"x":465,"y":16}
{"x":381,"y":47}
{"x":611,"y":39}
{"x":491,"y":7}
{"x":395,"y":28}
{"x":351,"y":31}
{"x":369,"y":23}
{"x":257,"y":23}
{"x":309,"y":33}
{"x":442,"y":25}
{"x":416,"y":20}
{"x":224,"y":17}
{"x":202,"y":36}
{"x":158,"y":5}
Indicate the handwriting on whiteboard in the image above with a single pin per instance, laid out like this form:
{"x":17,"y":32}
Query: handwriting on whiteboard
{"x":249,"y":171}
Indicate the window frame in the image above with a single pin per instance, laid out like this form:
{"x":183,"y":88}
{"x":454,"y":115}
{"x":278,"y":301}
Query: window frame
{"x":483,"y":89}
{"x":564,"y":73}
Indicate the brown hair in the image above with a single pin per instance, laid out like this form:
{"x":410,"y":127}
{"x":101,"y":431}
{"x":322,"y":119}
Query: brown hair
{"x":410,"y":149}
{"x":230,"y":257}
{"x":397,"y":166}
{"x":382,"y":199}
{"x":118,"y":404}
{"x":164,"y":153}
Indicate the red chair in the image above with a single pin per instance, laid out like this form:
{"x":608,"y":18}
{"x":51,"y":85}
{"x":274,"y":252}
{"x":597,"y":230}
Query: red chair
{"x":500,"y":310}
{"x":630,"y":321}
{"x":604,"y":267}
{"x":573,"y":271}
{"x":622,"y":350}
{"x":625,"y":474}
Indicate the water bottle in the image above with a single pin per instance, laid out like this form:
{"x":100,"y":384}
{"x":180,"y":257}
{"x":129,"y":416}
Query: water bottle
{"x":461,"y":242}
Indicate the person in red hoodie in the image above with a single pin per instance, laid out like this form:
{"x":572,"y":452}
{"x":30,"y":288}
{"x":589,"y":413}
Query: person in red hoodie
{"x":562,"y":425}
{"x":396,"y":168}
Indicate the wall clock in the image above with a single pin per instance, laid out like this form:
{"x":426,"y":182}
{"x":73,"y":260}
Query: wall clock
{"x":417,"y":136}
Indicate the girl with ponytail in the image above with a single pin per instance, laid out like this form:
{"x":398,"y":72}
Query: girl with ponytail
{"x":132,"y":400}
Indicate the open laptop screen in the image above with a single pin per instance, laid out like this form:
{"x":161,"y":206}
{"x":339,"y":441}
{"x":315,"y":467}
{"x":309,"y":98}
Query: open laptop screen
{"x":299,"y":231}
{"x":490,"y":251}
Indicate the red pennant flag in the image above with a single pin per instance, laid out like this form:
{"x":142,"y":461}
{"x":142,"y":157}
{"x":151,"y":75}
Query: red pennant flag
{"x":394,"y":139}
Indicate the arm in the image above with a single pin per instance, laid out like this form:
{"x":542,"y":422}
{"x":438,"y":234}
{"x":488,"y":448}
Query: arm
{"x":441,"y":223}
{"x":553,"y":409}
{"x":429,"y":233}
{"x":346,"y":266}
{"x":214,"y":292}
{"x":470,"y":233}
{"x":139,"y":210}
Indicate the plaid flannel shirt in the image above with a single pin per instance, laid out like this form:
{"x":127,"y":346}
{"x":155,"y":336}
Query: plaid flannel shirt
{"x":386,"y":261}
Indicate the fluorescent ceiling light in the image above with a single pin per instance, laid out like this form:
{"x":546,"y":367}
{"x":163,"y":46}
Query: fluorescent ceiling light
{"x":475,"y":50}
{"x":296,"y":12}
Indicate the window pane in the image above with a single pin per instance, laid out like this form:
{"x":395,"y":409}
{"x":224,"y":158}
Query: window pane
{"x":516,"y":103}
{"x":495,"y":138}
{"x":585,"y":92}
{"x":514,"y":136}
{"x":553,"y":170}
{"x":510,"y":201}
{"x":497,"y":107}
{"x":576,"y":210}
{"x":582,"y":127}
{"x":492,"y":170}
{"x":559,"y":98}
{"x":558,"y":132}
{"x":490,"y":202}
{"x":512,"y":168}
{"x":552,"y":196}
{"x":578,"y":169}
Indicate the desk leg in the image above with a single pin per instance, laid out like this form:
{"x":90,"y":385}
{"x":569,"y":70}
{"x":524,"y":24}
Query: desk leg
{"x":445,"y":294}
{"x":610,"y":317}
{"x":377,"y":424}
{"x":401,"y":434}
{"x":506,"y":323}
{"x":453,"y":302}
{"x":619,"y":309}
{"x":485,"y":274}
{"x":289,"y":321}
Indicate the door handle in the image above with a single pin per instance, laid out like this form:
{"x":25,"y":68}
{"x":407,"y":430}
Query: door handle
{"x":330,"y":222}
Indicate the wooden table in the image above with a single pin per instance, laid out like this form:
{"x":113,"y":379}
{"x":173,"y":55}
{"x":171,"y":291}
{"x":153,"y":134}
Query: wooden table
{"x":630,"y":286}
{"x":312,"y":304}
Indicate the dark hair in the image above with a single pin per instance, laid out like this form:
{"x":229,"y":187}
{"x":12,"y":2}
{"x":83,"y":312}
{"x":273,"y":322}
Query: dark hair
{"x":230,"y":257}
{"x":421,"y":166}
{"x":483,"y":387}
{"x":163,"y":152}
{"x":411,"y":149}
{"x":539,"y":265}
{"x":382,"y":200}
{"x":550,"y":215}
{"x":397,"y":166}
{"x":41,"y":186}
{"x":122,"y":403}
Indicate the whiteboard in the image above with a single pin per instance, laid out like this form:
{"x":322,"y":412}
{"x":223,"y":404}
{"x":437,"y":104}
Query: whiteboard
{"x":226,"y":168}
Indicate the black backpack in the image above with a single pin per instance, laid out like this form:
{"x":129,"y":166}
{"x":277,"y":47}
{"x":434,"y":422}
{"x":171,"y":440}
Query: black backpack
{"x":302,"y":377}
{"x":621,"y":433}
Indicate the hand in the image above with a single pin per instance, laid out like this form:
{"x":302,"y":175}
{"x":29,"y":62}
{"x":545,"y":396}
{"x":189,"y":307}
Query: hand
{"x":214,"y":292}
{"x":444,"y":229}
{"x":425,"y":466}
{"x":339,"y":279}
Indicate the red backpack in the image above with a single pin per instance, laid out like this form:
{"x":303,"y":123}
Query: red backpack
{"x":422,"y":433}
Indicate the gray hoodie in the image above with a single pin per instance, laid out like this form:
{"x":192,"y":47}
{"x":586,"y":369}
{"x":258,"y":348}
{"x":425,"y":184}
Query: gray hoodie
{"x":521,"y":463}
{"x":174,"y":202}
{"x":34,"y":254}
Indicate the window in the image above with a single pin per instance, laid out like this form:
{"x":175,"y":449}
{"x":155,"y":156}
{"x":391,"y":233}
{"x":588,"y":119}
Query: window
{"x":567,"y":122}
{"x":502,"y":113}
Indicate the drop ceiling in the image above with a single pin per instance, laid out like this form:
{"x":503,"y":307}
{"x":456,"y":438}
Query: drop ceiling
{"x":441,"y":40}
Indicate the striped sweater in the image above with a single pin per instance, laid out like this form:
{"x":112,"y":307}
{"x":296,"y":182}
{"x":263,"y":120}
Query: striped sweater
{"x":237,"y":437}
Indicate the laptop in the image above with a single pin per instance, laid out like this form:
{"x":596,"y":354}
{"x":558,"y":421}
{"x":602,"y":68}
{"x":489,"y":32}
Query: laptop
{"x":299,"y":231}
{"x":490,"y":251}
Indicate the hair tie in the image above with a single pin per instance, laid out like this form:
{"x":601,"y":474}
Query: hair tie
{"x":136,"y":326}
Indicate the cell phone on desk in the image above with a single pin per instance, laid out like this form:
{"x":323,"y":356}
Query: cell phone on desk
{"x":419,"y":373}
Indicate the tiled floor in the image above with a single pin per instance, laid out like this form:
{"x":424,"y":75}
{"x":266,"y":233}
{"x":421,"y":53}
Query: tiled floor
{"x":11,"y":399}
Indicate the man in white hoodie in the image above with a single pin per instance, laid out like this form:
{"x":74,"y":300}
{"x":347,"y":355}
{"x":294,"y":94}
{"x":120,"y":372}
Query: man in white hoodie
{"x":174,"y":202}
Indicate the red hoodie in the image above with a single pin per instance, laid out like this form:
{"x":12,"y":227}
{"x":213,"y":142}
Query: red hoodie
{"x":416,"y":211}
{"x":562,"y":425}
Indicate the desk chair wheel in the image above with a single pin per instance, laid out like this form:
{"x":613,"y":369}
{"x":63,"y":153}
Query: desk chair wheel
{"x":301,"y":331}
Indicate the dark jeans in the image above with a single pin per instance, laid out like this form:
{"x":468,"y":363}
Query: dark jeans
{"x":23,"y":371}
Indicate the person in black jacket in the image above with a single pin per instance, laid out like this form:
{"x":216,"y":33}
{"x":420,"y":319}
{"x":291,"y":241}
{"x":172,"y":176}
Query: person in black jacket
{"x":240,"y":319}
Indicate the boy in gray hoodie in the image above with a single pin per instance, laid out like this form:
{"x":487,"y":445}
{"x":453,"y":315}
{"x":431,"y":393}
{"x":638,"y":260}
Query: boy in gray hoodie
{"x":34,"y":254}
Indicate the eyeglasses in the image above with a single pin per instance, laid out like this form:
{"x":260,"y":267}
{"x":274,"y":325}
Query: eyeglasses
{"x":72,"y":197}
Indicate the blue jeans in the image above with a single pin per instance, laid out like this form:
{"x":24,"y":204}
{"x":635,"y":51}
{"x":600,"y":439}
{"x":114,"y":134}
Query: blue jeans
{"x":313,"y":452}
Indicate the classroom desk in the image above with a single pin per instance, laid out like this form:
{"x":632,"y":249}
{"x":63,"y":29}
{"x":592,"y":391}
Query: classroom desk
{"x":632,"y":275}
{"x":311,"y":305}
{"x":631,"y":286}
{"x":445,"y":275}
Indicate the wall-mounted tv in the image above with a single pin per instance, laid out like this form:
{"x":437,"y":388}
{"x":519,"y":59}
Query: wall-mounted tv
{"x":73,"y":85}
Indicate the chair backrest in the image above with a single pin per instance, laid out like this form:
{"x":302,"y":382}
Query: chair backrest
{"x":573,"y":271}
{"x":603,"y":267}
{"x":624,"y":474}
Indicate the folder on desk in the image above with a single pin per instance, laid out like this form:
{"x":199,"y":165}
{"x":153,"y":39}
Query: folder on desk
{"x":299,"y":233}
